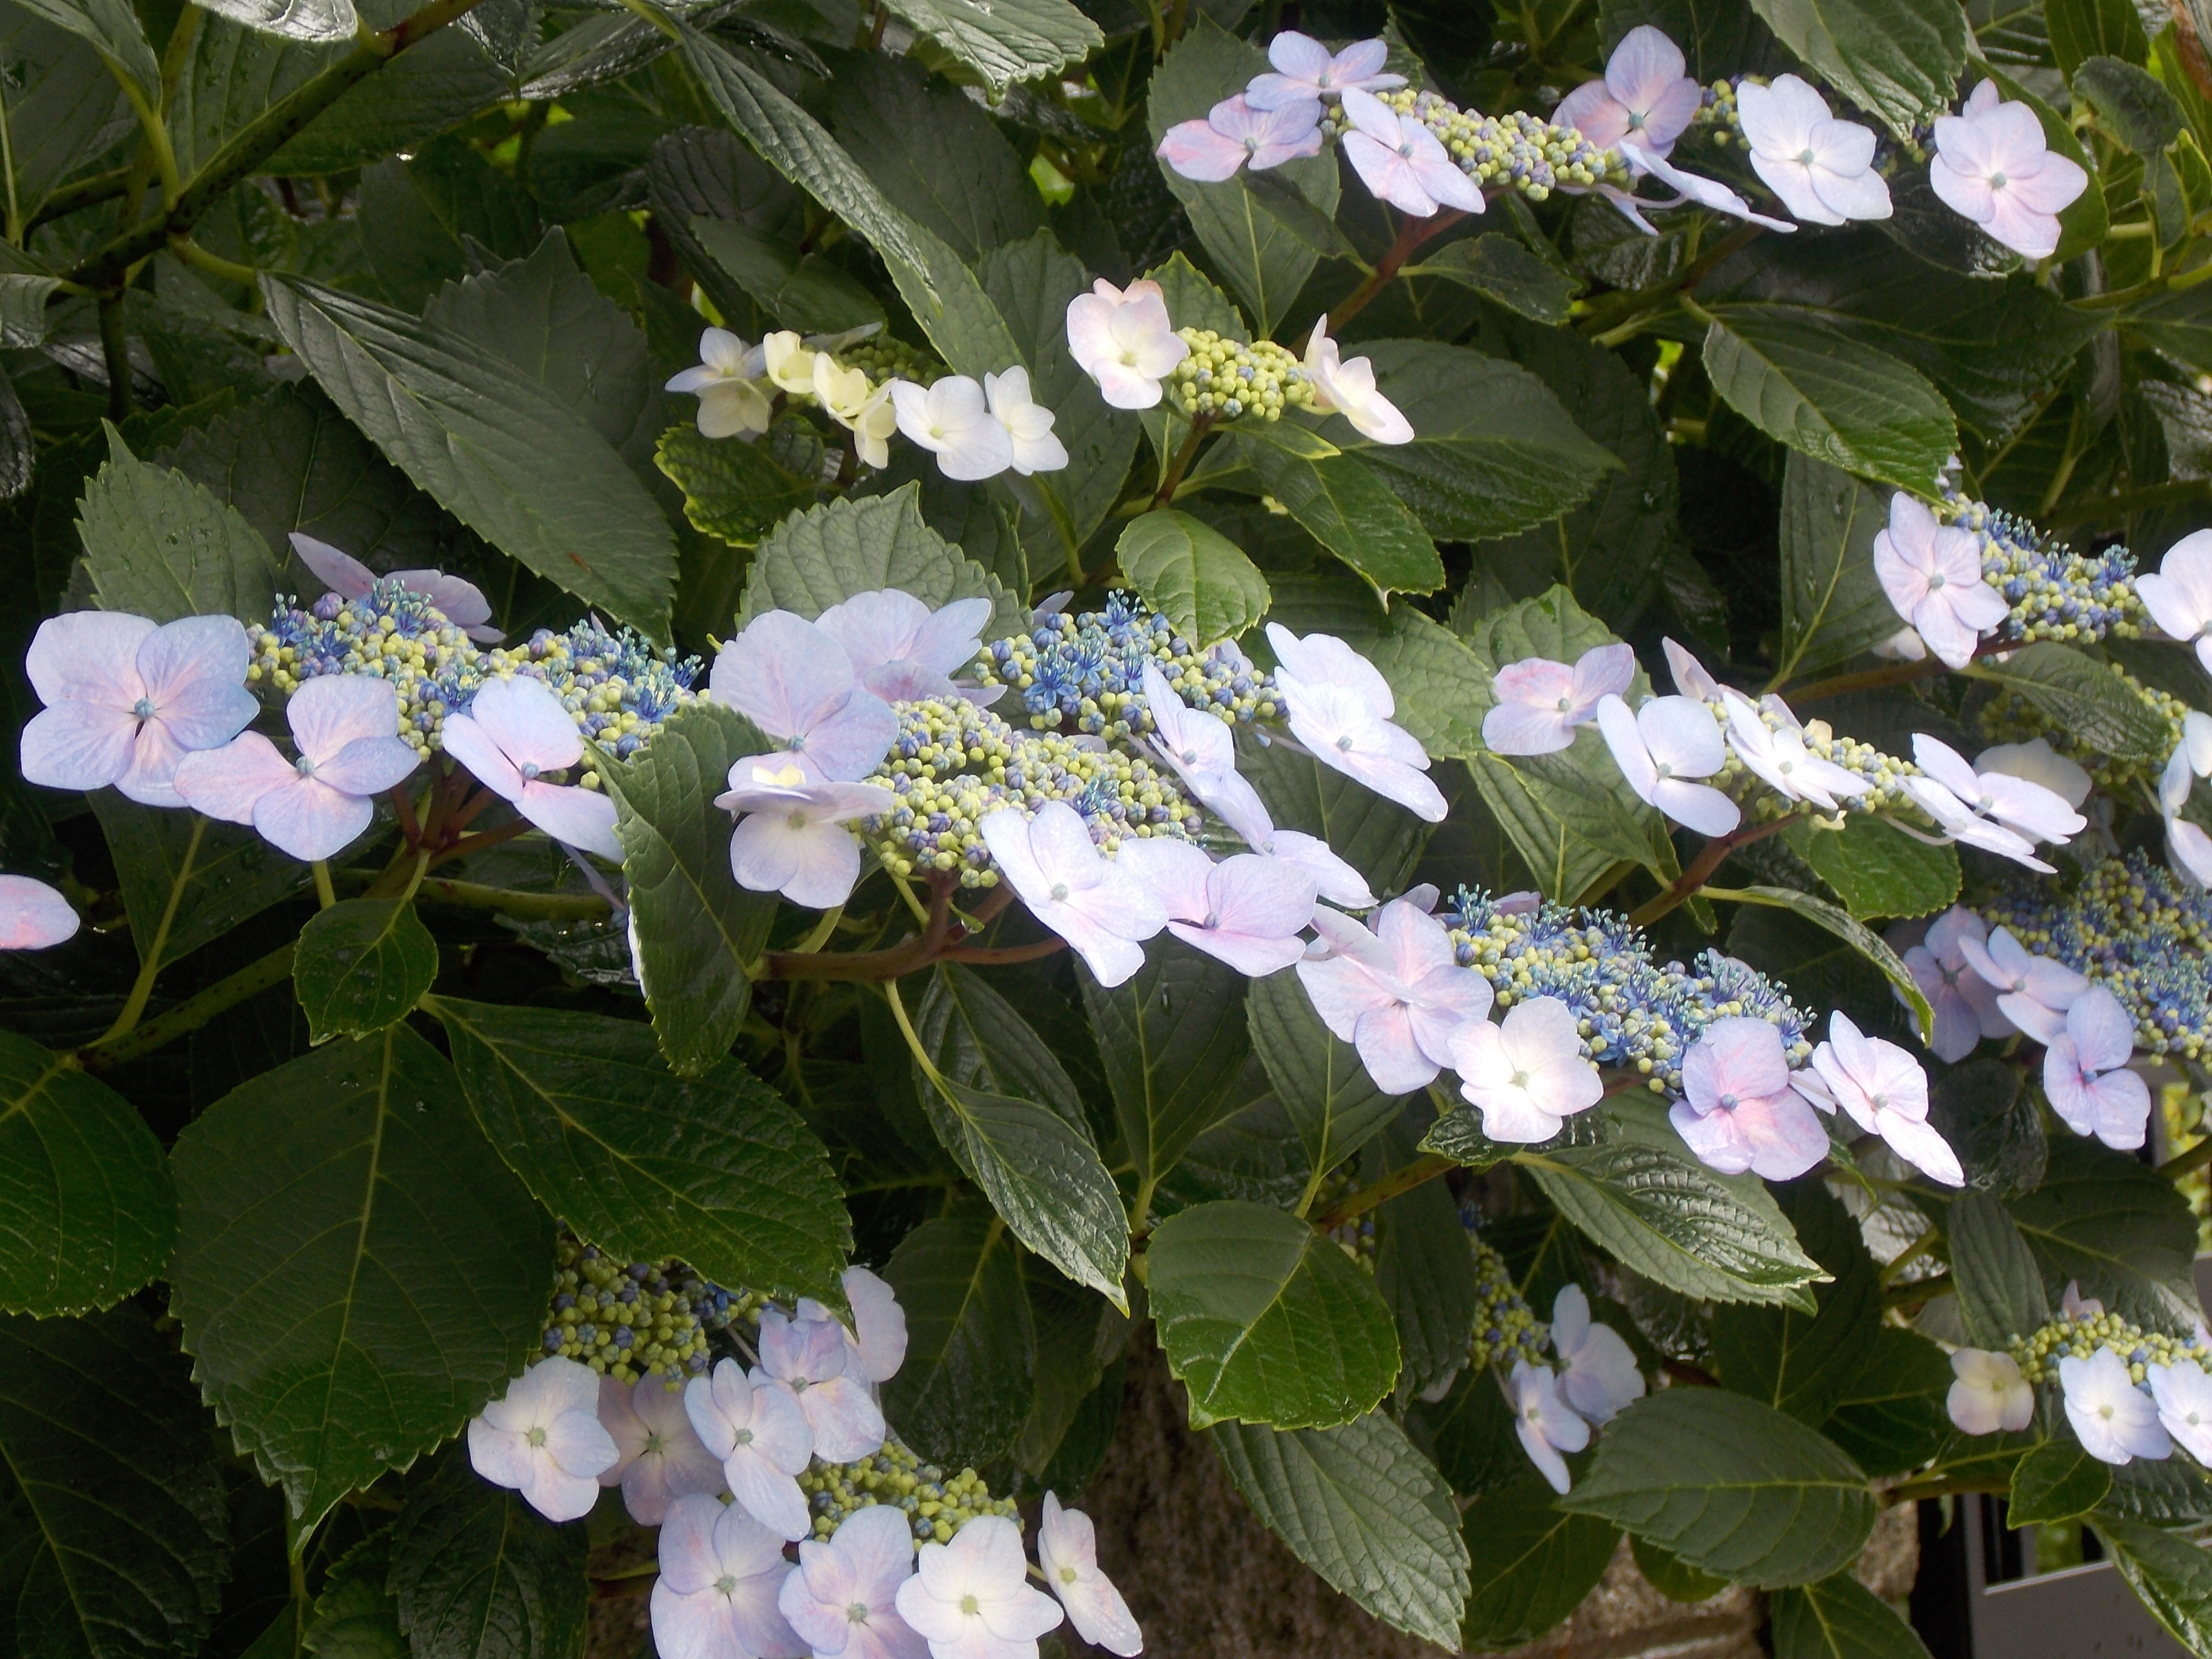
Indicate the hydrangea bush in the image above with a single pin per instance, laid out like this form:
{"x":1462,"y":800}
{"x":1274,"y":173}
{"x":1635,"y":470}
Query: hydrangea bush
{"x":751,"y":734}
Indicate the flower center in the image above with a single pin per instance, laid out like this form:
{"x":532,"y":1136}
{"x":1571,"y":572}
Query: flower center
{"x":799,"y":1385}
{"x":1213,"y":919}
{"x":534,"y":1435}
{"x":306,"y":766}
{"x":1520,"y":1079}
{"x":743,"y":1437}
{"x":798,"y":820}
{"x":2104,"y":1412}
{"x":1636,"y":120}
{"x":725,"y":1585}
{"x":653,"y":1444}
{"x":529,"y":770}
{"x":144,"y":709}
{"x":1067,"y":1574}
{"x":1727,"y":1103}
{"x":1059,"y":892}
{"x":1997,"y":181}
{"x":970,"y":1606}
{"x":1565,"y":704}
{"x":857,"y":1613}
{"x":1805,"y":156}
{"x":1936,"y":580}
{"x":1665,"y":770}
{"x":1345,"y":742}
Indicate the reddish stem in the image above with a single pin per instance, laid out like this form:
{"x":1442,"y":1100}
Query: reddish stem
{"x":1411,"y":235}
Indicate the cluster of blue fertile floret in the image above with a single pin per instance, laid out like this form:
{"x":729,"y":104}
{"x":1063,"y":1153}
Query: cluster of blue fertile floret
{"x":615,"y":684}
{"x":1504,"y":1329}
{"x":2038,"y":1352}
{"x":632,"y":1319}
{"x":2134,"y":928}
{"x":2055,"y":593}
{"x":1515,"y":151}
{"x":1634,"y":1013}
{"x":1085,"y":673}
{"x":953,"y":764}
{"x":937,"y":1504}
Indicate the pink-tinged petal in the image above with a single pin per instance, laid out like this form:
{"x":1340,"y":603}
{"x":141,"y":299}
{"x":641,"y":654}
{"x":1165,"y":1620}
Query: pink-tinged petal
{"x":2103,"y":1036}
{"x":1254,"y":957}
{"x":1626,"y":740}
{"x":1384,"y":1037}
{"x":582,"y":818}
{"x":1736,"y":1059}
{"x":456,"y":599}
{"x":1714,"y":1139}
{"x":1342,"y":993}
{"x":1697,"y":806}
{"x":1336,"y":880}
{"x":1681,"y":737}
{"x":524,"y":717}
{"x":1299,"y":57}
{"x":2020,"y":228}
{"x":473,"y":747}
{"x":194,"y":672}
{"x":1645,"y":64}
{"x":151,"y":777}
{"x":503,"y":1456}
{"x":1921,"y":1146}
{"x":784,"y":674}
{"x":78,"y":744}
{"x":368,"y":766}
{"x":768,"y":1494}
{"x":846,"y":1422}
{"x":1265,"y":897}
{"x":2066,"y":1089}
{"x":1196,"y":151}
{"x":328,"y":713}
{"x":308,"y":819}
{"x":1120,"y":905}
{"x":32,"y":915}
{"x":340,"y":571}
{"x":1386,"y":175}
{"x":1670,"y":112}
{"x":1174,"y":872}
{"x":227,"y":783}
{"x":580,"y":1444}
{"x":851,"y":743}
{"x":556,"y":1494}
{"x":88,"y":656}
{"x":1521,"y":728}
{"x":2123,"y":1109}
{"x":1592,"y":110}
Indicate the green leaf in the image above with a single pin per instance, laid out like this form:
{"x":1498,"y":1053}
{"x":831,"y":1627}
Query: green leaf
{"x":2118,"y":1226}
{"x":806,"y":291}
{"x":731,"y":489}
{"x":1173,"y":1039}
{"x":317,"y":22}
{"x":1471,"y":1434}
{"x":356,"y":1617}
{"x":2056,"y":1482}
{"x":62,"y":104}
{"x":1878,"y":870}
{"x":498,"y":450}
{"x":1995,"y":1127}
{"x":1833,"y":607}
{"x":23,"y":309}
{"x":963,"y":1395}
{"x":361,"y":964}
{"x":1192,"y":574}
{"x":1332,"y":1102}
{"x":973,"y":1035}
{"x":794,"y":143}
{"x":1258,"y":241}
{"x":1840,"y":1618}
{"x":1532,"y":1562}
{"x":1442,"y":689}
{"x":1670,"y":1575}
{"x":478,"y":1574}
{"x":1425,"y":1272}
{"x":697,"y":931}
{"x":1005,"y":41}
{"x":717,"y":1171}
{"x":2081,"y":697}
{"x":2082,"y":30}
{"x":356,"y":1271}
{"x":227,"y":874}
{"x":1609,"y":550}
{"x":1349,"y":507}
{"x":1732,"y":1487}
{"x":87,"y":1212}
{"x":1043,"y":1175}
{"x":859,"y":543}
{"x":1828,"y":396}
{"x":1893,"y":1417}
{"x":935,"y":155}
{"x":1499,"y":268}
{"x":1266,"y":1320}
{"x":1364,"y":1510}
{"x":1999,"y":1286}
{"x":1804,"y":1364}
{"x":111,"y":1495}
{"x":2170,"y":1575}
{"x":1848,"y":928}
{"x":2130,"y":106}
{"x":1493,"y":451}
{"x":1898,"y":59}
{"x":159,"y":545}
{"x":111,"y":29}
{"x":1633,"y":1193}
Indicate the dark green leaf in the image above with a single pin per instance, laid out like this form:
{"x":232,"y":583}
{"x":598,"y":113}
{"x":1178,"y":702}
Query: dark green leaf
{"x":1173,"y":1040}
{"x":23,"y":309}
{"x":697,"y":931}
{"x":1364,"y":1510}
{"x":973,"y":1035}
{"x":161,"y":546}
{"x":1878,"y":870}
{"x":1716,"y":1237}
{"x":1892,"y":1418}
{"x":355,"y":1617}
{"x":112,"y":30}
{"x":857,"y":544}
{"x":499,"y":451}
{"x":111,"y":1495}
{"x":63,"y":103}
{"x":935,"y":155}
{"x":1425,"y":1272}
{"x":2118,"y":1226}
{"x":2170,"y":1574}
{"x":479,"y":1575}
{"x":361,"y":964}
{"x":2083,"y":698}
{"x":731,"y":489}
{"x":1840,"y":1618}
{"x":963,"y":1394}
{"x":1470,"y":1433}
{"x":356,"y":1271}
{"x":1896,"y":58}
{"x":1828,"y":396}
{"x":318,"y":21}
{"x":1332,"y":1103}
{"x":1995,"y":1127}
{"x":227,"y":872}
{"x":717,"y":1171}
{"x":1999,"y":1286}
{"x":1848,"y":928}
{"x":2130,"y":106}
{"x":1532,"y":1562}
{"x":1730,"y":1485}
{"x":1350,"y":507}
{"x":1005,"y":40}
{"x":2082,"y":30}
{"x":1833,"y":607}
{"x":87,"y":1212}
{"x":1266,"y":1320}
{"x":1498,"y":268}
{"x":1799,"y":1364}
{"x":2056,"y":1482}
{"x":1192,"y":574}
{"x":1671,"y":1576}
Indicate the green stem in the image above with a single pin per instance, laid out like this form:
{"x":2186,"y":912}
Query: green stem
{"x":1200,"y":426}
{"x":1422,"y":1170}
{"x":913,"y":1041}
{"x":143,"y":987}
{"x":1869,"y":679}
{"x":162,"y":153}
{"x":7,"y":161}
{"x":213,"y":263}
{"x":2182,"y":1163}
{"x":541,"y":906}
{"x":115,"y":352}
{"x":819,"y":934}
{"x":192,"y":1014}
{"x":261,"y":138}
{"x":85,"y":192}
{"x":1411,"y":235}
{"x":324,"y":896}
